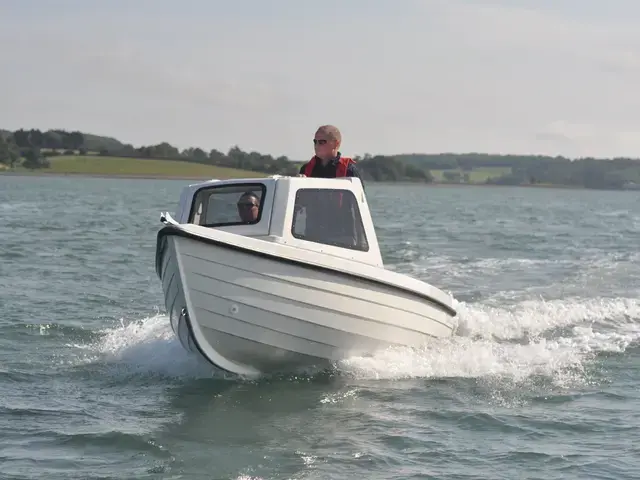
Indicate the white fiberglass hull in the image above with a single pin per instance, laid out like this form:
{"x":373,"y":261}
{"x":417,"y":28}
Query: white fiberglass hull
{"x":251,"y":313}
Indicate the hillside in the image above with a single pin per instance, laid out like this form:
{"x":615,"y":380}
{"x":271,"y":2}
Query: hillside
{"x":34,"y":149}
{"x":123,"y":166}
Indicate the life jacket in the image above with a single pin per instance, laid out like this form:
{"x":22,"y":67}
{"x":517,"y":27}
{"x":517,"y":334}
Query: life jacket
{"x":341,"y":169}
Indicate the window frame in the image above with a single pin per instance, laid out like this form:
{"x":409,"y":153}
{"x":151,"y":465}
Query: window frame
{"x":248,"y":186}
{"x":359,"y":221}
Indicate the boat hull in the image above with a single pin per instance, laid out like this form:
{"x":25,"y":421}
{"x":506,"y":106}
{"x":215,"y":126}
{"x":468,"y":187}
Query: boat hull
{"x":250,"y":314}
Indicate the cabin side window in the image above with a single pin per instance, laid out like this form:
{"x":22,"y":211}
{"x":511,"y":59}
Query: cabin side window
{"x":227,"y":205}
{"x":330,"y":217}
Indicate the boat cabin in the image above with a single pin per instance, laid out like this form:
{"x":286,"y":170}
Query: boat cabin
{"x":318,"y":214}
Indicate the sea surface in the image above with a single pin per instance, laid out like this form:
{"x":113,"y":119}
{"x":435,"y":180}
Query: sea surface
{"x":541,"y":381}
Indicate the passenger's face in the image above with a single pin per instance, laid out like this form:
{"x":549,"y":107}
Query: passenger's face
{"x":248,"y":209}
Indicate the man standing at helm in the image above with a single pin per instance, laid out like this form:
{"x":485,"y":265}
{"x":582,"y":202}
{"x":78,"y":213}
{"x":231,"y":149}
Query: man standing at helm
{"x":328,"y":162}
{"x":325,"y":223}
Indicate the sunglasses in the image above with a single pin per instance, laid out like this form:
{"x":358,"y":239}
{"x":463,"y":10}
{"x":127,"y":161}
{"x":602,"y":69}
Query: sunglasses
{"x":319,"y":142}
{"x":246,"y":205}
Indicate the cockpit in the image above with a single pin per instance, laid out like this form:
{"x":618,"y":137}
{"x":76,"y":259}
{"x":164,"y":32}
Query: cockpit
{"x":322,"y":215}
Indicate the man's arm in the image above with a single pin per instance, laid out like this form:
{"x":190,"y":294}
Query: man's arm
{"x":352,"y":171}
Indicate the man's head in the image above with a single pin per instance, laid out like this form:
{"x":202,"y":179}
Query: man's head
{"x":327,"y":142}
{"x":248,"y":207}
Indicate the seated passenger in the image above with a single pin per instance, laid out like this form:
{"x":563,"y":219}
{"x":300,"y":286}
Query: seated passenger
{"x":248,"y":207}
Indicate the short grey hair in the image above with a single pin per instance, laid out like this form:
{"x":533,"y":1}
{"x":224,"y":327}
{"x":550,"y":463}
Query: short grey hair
{"x":331,"y":132}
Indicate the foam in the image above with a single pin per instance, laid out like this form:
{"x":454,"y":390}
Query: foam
{"x":555,"y":339}
{"x":145,"y":346}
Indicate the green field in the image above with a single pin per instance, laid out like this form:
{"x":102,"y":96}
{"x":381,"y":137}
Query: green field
{"x":142,"y":167}
{"x":477,"y":175}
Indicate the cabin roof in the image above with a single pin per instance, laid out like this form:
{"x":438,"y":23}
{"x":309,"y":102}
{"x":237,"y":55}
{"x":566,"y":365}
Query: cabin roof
{"x":273,"y":179}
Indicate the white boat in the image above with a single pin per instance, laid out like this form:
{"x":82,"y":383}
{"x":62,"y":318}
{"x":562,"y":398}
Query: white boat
{"x":297,"y":281}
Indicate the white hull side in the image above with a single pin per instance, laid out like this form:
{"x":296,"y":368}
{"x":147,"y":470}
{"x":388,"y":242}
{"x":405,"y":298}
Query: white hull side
{"x":249,"y":314}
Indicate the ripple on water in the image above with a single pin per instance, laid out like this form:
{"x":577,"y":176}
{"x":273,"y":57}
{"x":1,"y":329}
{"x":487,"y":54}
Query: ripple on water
{"x":541,"y":377}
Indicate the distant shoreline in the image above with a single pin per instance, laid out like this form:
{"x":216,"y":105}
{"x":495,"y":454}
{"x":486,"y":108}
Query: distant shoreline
{"x":74,"y":154}
{"x":145,"y":176}
{"x":142,"y":176}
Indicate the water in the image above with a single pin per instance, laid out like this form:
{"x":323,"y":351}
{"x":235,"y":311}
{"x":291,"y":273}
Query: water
{"x":541,"y":382}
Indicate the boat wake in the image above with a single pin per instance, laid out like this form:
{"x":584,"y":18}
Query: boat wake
{"x":557,"y":340}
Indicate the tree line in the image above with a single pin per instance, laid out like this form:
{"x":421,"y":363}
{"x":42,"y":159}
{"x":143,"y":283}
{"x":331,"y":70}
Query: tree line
{"x":25,"y":146}
{"x":32,"y":148}
{"x":587,"y":172}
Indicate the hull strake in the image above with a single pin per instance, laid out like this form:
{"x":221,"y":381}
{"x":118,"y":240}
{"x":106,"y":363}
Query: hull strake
{"x":184,"y":331}
{"x":196,"y":334}
{"x":168,"y":269}
{"x":171,"y":230}
{"x":183,"y":328}
{"x":221,"y":348}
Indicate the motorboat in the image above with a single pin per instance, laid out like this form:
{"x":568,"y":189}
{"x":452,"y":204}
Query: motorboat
{"x":264,"y":274}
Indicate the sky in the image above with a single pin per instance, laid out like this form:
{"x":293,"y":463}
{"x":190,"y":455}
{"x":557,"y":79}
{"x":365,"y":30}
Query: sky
{"x":557,"y":77}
